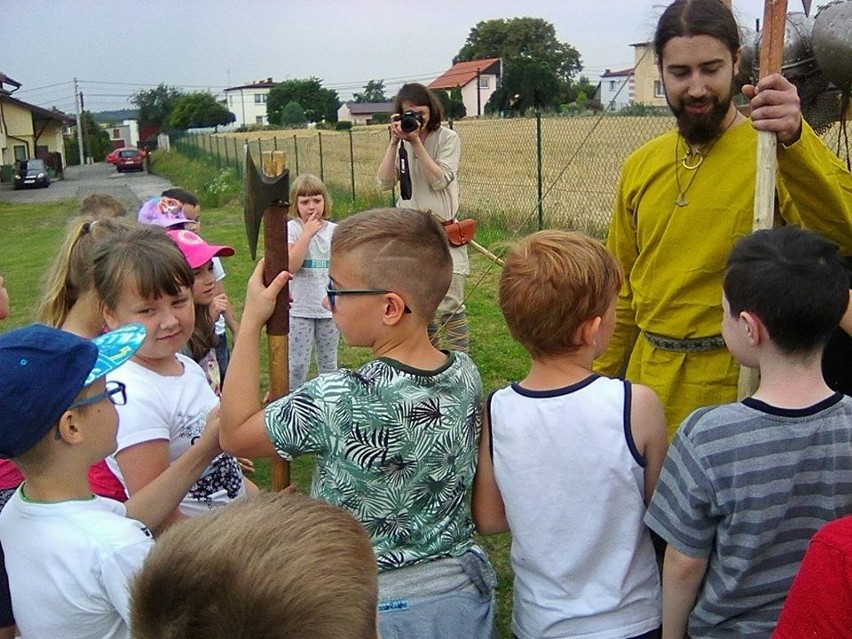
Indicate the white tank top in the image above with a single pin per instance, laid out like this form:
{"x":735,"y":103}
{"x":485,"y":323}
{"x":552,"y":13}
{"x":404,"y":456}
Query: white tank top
{"x":572,"y":483}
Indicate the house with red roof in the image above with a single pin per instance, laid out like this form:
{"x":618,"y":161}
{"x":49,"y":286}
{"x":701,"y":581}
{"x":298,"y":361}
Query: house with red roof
{"x":477,"y":79}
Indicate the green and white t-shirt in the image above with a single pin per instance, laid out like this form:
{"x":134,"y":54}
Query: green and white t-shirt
{"x":396,"y":447}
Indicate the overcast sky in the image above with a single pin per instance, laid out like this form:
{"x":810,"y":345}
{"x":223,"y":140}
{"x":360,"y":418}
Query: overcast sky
{"x":115,"y":47}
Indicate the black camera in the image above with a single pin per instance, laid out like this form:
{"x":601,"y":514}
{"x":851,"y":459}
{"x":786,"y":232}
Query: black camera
{"x":410,"y":121}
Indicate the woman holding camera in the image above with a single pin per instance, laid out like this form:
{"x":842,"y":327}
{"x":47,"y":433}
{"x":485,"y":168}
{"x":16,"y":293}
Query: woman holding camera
{"x":430,"y":155}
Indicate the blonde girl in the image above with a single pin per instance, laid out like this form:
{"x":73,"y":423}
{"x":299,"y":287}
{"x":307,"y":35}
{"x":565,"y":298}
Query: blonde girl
{"x":143,"y":277}
{"x":309,"y":236}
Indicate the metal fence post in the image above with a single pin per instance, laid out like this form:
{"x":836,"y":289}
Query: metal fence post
{"x":260,"y":151}
{"x":539,"y":176}
{"x":319,"y":138}
{"x":237,"y":163}
{"x":296,"y":152}
{"x":352,"y":164}
{"x":275,"y":142}
{"x":226,"y":152}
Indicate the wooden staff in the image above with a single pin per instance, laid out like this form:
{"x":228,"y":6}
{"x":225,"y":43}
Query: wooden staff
{"x":771,"y":57}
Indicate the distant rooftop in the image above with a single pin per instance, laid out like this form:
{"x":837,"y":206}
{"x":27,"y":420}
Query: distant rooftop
{"x":463,"y":72}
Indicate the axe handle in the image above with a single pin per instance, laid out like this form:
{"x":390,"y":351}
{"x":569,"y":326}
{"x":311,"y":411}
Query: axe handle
{"x":771,"y":59}
{"x":276,"y":259}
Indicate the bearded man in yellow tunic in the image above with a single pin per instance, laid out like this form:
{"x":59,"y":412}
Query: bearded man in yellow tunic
{"x":687,"y":196}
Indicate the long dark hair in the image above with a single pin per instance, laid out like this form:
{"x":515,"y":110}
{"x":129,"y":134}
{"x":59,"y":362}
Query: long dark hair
{"x":697,"y":17}
{"x":419,"y":95}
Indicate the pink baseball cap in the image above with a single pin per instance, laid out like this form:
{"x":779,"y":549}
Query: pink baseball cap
{"x":197,"y":251}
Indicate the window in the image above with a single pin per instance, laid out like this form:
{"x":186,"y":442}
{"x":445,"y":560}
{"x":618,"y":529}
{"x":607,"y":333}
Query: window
{"x":659,"y":90}
{"x":260,"y":98}
{"x":612,"y":85}
{"x":230,"y":100}
{"x":20,"y":152}
{"x":484,"y":81}
{"x":259,"y":119}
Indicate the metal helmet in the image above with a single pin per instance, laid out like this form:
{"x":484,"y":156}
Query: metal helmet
{"x":832,"y":43}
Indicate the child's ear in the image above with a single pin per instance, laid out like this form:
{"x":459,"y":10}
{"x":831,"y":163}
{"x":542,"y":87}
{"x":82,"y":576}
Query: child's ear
{"x":109,"y":317}
{"x":756,"y":332}
{"x":588,"y":332}
{"x":394,"y":309}
{"x":68,"y":429}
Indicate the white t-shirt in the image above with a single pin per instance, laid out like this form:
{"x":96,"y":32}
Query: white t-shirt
{"x":175,"y":409}
{"x":70,"y":565}
{"x":309,"y":282}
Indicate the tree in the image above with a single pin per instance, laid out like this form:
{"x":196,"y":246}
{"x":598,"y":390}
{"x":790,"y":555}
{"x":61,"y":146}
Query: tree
{"x":317,"y":102}
{"x":96,"y":141}
{"x":156,"y":105}
{"x":582,"y":85}
{"x":517,"y":38}
{"x":199,"y":110}
{"x":527,"y":84}
{"x":293,"y":115}
{"x":374,"y":91}
{"x":453,"y":104}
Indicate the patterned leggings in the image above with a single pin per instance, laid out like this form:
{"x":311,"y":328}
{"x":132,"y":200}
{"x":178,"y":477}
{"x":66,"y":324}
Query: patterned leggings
{"x":304,"y":332}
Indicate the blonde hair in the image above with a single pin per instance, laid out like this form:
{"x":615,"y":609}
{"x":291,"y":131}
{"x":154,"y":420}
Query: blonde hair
{"x":102,"y":205}
{"x":552,"y":282}
{"x":145,"y":257}
{"x":71,"y":273}
{"x":271,"y":565}
{"x":399,"y":250}
{"x":305,"y":185}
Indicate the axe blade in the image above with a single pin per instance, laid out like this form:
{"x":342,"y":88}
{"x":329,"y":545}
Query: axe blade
{"x":262,"y":191}
{"x":807,"y":6}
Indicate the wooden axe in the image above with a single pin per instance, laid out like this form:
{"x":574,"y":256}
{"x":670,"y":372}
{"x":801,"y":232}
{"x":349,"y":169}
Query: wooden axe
{"x":266,"y":203}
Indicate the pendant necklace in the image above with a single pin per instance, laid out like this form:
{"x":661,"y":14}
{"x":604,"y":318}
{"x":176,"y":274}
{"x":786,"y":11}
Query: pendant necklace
{"x":691,"y":161}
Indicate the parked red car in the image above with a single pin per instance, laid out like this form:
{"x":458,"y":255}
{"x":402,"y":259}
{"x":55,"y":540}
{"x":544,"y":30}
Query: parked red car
{"x":128,"y":159}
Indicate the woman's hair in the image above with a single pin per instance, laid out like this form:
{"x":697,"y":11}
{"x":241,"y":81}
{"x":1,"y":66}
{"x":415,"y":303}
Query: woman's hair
{"x":307,"y":185}
{"x":203,"y":338}
{"x":71,"y":273}
{"x":687,"y":18}
{"x":101,"y":205}
{"x":145,"y":257}
{"x":418,"y":95}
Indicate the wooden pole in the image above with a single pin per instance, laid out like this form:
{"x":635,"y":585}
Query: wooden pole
{"x":771,"y":58}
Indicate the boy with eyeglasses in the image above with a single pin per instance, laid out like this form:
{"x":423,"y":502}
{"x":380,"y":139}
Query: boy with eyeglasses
{"x":71,"y":555}
{"x":395,"y":441}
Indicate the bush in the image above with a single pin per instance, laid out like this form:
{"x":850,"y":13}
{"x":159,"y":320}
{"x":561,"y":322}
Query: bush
{"x":344,"y":125}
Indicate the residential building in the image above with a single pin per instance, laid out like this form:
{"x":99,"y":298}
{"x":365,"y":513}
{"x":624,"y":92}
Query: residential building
{"x":28,"y":131}
{"x":647,"y":84}
{"x":362,"y":112}
{"x":248,"y":102}
{"x":477,"y":79}
{"x":124,"y":134}
{"x":616,"y":89}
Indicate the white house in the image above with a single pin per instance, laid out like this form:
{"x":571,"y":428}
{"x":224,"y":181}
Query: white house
{"x":477,"y":79}
{"x":124,"y":134}
{"x":362,"y":112}
{"x":617,"y":89}
{"x":248,"y":102}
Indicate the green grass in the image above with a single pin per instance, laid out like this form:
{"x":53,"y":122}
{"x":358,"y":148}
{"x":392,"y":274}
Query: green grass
{"x":32,"y":235}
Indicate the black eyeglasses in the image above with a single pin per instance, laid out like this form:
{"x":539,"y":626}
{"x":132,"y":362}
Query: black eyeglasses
{"x":334,"y":292}
{"x":115,"y":392}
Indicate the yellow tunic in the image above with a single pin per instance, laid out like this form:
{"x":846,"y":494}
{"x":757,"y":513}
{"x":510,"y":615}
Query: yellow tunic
{"x":674,"y":257}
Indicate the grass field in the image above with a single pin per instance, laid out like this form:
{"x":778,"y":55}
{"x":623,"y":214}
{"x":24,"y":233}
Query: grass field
{"x":32,"y":235}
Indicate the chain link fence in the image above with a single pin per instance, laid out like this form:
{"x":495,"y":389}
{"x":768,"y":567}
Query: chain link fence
{"x":520,"y":174}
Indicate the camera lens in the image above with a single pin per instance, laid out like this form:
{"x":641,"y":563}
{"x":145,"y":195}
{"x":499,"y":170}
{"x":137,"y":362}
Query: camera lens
{"x":410,"y":121}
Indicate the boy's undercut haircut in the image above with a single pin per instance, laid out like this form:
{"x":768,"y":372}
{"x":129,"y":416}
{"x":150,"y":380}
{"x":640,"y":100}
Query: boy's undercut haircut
{"x":552,"y":282}
{"x":272,"y":565}
{"x":307,"y":185}
{"x":419,"y":95}
{"x":399,"y":250}
{"x":794,"y":280}
{"x":687,"y":18}
{"x":147,"y":257}
{"x":181,"y":195}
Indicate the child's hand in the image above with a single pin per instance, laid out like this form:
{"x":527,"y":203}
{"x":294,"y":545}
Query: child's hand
{"x":220,"y":304}
{"x":4,"y":299}
{"x":313,"y":224}
{"x":246,"y":464}
{"x":260,"y":299}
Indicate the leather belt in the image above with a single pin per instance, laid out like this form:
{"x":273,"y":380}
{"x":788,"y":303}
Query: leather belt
{"x":688,"y":345}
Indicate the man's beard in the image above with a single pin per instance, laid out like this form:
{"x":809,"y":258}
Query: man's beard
{"x":700,"y":128}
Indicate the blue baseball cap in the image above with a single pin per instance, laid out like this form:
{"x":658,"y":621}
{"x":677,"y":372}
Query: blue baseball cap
{"x":42,"y":371}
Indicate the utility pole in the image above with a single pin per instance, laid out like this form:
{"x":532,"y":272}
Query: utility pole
{"x":79,"y":122}
{"x":87,"y":147}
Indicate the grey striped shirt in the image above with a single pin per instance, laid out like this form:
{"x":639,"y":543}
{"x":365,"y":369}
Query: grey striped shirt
{"x":747,"y":485}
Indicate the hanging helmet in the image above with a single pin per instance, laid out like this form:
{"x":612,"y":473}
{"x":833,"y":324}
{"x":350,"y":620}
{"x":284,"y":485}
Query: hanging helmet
{"x":832,"y":43}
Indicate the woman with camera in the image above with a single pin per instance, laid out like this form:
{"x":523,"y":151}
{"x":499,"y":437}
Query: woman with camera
{"x":424,"y":157}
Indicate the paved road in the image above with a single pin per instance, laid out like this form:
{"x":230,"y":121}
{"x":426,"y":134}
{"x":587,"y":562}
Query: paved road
{"x":130,"y":188}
